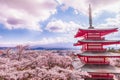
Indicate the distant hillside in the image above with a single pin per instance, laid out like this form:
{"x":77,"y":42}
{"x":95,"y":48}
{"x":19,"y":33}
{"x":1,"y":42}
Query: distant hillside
{"x":2,"y":48}
{"x":41,"y":48}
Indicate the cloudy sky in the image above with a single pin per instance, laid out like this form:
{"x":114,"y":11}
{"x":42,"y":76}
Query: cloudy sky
{"x":53,"y":23}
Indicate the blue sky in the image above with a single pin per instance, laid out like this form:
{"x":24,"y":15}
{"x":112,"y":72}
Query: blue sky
{"x":53,"y":23}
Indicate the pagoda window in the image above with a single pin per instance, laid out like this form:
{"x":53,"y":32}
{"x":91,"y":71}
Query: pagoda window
{"x":105,"y":75}
{"x":95,"y":46}
{"x":93,"y":36}
{"x":96,"y":60}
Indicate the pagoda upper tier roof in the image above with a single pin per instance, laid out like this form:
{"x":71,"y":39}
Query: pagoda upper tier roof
{"x":104,"y":42}
{"x":90,"y":68}
{"x":103,"y":32}
{"x":103,"y":54}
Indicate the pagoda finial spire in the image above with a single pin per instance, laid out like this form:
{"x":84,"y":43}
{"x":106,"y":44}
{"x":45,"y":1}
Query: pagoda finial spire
{"x":90,"y":17}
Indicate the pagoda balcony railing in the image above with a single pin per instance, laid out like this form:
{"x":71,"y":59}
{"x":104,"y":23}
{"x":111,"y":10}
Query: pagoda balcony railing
{"x":108,"y":76}
{"x":97,"y":62}
{"x":95,"y":38}
{"x":96,"y":50}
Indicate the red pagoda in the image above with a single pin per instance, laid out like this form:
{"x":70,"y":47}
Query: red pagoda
{"x":94,"y":55}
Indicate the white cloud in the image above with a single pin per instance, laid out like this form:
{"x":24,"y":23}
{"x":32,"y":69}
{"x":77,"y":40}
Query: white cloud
{"x":97,"y":5}
{"x":61,"y":26}
{"x":111,"y":22}
{"x":51,"y":40}
{"x":76,"y":11}
{"x":25,"y":13}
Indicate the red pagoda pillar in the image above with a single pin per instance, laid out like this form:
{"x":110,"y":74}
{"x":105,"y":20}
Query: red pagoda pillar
{"x":94,"y":55}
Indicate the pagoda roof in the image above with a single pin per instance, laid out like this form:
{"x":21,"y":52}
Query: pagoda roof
{"x":105,"y":54}
{"x":104,"y":42}
{"x":96,"y":68}
{"x":98,"y":29}
{"x":103,"y":32}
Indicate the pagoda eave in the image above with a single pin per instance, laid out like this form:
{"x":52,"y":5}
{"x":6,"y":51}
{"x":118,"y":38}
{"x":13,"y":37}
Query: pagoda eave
{"x":103,"y":32}
{"x":90,"y":68}
{"x":106,"y":54}
{"x":97,"y":42}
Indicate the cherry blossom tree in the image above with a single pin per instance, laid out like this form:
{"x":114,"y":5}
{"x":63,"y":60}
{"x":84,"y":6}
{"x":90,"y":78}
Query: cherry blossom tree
{"x":7,"y":52}
{"x":38,"y":65}
{"x":115,"y":62}
{"x":20,"y":50}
